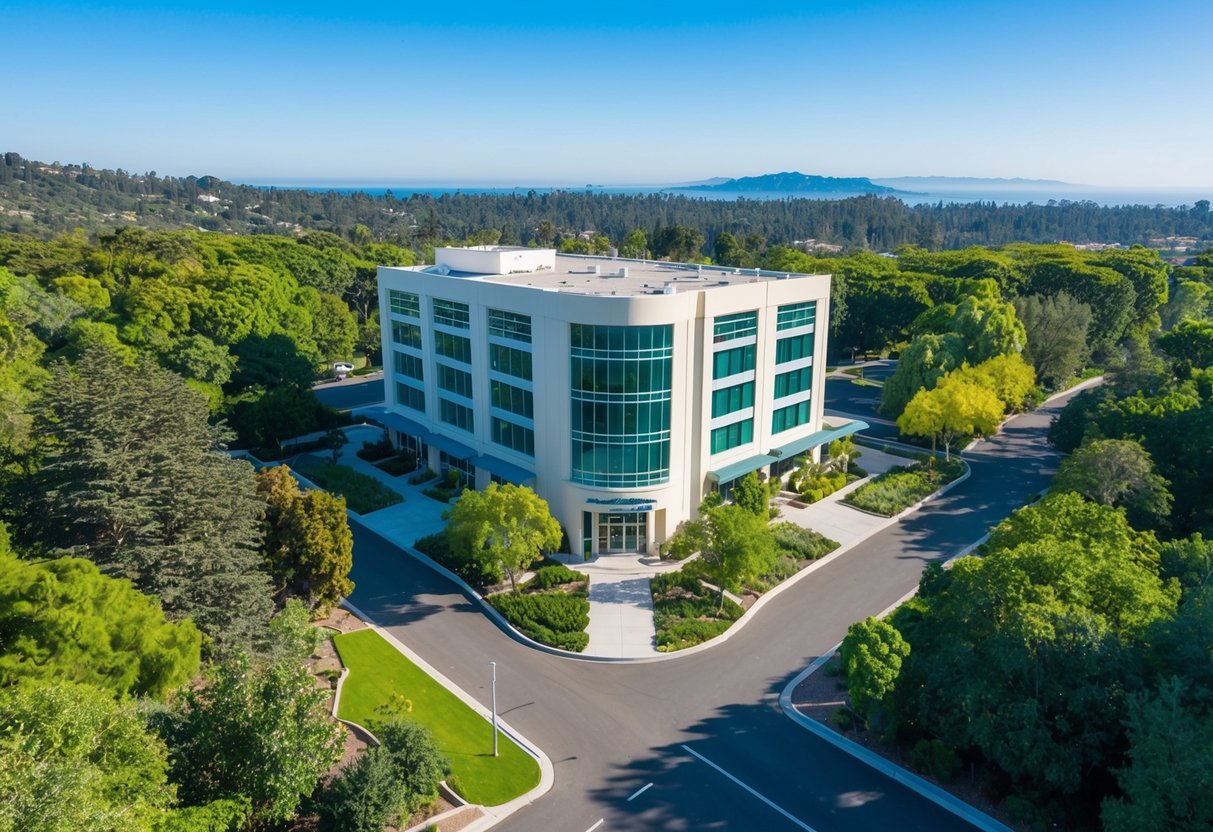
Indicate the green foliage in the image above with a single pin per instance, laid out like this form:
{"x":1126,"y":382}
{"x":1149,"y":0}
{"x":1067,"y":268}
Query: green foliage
{"x":227,"y":815}
{"x":871,"y":654}
{"x":685,"y":613}
{"x":1116,"y":472}
{"x":1008,"y":377}
{"x":134,"y":482}
{"x":736,"y":546}
{"x":923,"y":363}
{"x":505,"y":525}
{"x":292,"y":635}
{"x":901,"y":487}
{"x":362,"y":494}
{"x":255,"y":730}
{"x":1166,"y":783}
{"x":558,"y":619}
{"x":74,"y":760}
{"x":801,"y":543}
{"x":309,"y":547}
{"x":64,"y":620}
{"x":1189,"y":561}
{"x":385,"y":784}
{"x":1190,"y":343}
{"x":752,"y":494}
{"x":953,"y":409}
{"x":1056,"y":327}
{"x":547,"y":577}
{"x":934,"y":758}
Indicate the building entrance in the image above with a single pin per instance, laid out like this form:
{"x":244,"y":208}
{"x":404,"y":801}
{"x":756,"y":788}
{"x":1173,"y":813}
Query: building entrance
{"x":619,"y":533}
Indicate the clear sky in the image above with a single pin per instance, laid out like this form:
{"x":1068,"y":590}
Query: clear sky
{"x":1110,"y":93}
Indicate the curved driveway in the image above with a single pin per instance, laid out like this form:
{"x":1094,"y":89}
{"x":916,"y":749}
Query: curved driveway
{"x":610,"y":729}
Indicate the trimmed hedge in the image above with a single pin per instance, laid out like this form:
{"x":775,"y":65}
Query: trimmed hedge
{"x":558,"y":619}
{"x":547,"y":577}
{"x":362,"y":493}
{"x":899,"y":488}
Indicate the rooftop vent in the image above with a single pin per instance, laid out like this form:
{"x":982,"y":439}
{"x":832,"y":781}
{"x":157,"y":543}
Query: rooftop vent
{"x":593,"y":270}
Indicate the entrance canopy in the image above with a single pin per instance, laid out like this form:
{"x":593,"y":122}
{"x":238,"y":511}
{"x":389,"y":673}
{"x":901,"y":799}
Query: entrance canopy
{"x":450,"y":446}
{"x":740,"y":468}
{"x":821,"y":437}
{"x":506,"y":470}
{"x":394,"y":421}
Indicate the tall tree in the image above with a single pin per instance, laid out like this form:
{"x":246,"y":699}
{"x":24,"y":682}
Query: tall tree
{"x":309,"y":547}
{"x":1116,"y":472}
{"x":736,"y":545}
{"x":953,"y":409}
{"x":137,"y":482}
{"x":505,"y":527}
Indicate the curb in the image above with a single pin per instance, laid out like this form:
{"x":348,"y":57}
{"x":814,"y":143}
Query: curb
{"x":547,"y":774}
{"x":905,"y":777}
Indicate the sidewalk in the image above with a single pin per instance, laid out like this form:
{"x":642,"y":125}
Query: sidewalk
{"x":621,"y":605}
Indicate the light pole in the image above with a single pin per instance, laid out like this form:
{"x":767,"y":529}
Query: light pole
{"x":493,"y":665}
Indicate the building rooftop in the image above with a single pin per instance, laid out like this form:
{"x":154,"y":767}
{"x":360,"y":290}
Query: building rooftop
{"x":583,"y":275}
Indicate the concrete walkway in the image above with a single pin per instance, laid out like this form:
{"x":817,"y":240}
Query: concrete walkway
{"x":621,"y":605}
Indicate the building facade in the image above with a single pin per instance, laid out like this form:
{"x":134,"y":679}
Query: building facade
{"x":622,"y":391}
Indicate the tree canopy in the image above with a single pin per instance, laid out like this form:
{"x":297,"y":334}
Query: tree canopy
{"x":505,"y":527}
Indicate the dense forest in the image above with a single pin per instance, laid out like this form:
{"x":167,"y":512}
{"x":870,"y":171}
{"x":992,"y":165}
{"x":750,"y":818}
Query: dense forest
{"x":45,"y":199}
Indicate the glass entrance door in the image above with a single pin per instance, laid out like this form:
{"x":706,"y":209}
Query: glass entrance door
{"x":619,"y":533}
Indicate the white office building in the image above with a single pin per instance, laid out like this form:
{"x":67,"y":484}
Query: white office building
{"x":622,"y":391}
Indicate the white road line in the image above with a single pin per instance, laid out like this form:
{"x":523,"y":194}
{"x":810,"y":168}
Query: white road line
{"x":595,"y":826}
{"x":765,"y":800}
{"x":641,"y":790}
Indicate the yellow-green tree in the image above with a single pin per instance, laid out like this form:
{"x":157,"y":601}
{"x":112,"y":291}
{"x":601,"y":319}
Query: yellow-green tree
{"x":953,"y":409}
{"x":504,"y":527}
{"x":1008,"y":377}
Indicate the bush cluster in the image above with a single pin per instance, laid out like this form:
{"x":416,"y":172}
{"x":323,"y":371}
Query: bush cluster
{"x":686,"y":613}
{"x":377,"y":450}
{"x":801,"y":543}
{"x":901,"y":487}
{"x":547,"y":577}
{"x":813,"y":488}
{"x":438,"y":547}
{"x":558,"y":620}
{"x":402,"y":463}
{"x":362,"y":494}
{"x":422,"y":476}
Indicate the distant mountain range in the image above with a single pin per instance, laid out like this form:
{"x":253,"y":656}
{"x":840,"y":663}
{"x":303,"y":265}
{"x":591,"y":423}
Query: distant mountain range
{"x":960,"y":182}
{"x":796,"y":182}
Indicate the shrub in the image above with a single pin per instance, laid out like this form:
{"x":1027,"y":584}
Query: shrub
{"x":402,"y":463}
{"x":901,"y":487}
{"x":547,"y":577}
{"x":377,"y":450}
{"x":842,"y":719}
{"x":439,"y":494}
{"x":362,"y":494}
{"x":801,"y":543}
{"x":422,"y":476}
{"x":935,"y":758}
{"x":685,"y":612}
{"x":438,"y":547}
{"x":683,"y":633}
{"x":558,"y":620}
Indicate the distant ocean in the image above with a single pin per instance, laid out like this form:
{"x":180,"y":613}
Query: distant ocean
{"x":1039,"y":195}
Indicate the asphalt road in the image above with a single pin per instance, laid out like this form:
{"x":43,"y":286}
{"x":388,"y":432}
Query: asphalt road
{"x":706,"y":729}
{"x":352,"y":393}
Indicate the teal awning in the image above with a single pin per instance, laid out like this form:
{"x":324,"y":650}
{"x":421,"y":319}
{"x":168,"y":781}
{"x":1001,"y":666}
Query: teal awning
{"x":821,"y":437}
{"x":450,"y":446}
{"x":394,"y":421}
{"x":740,"y":468}
{"x":506,"y":470}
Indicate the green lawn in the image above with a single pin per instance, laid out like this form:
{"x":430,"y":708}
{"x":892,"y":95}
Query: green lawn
{"x":362,"y":493}
{"x":378,"y":672}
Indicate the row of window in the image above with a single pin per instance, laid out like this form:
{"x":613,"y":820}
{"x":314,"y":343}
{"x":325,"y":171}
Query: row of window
{"x":730,"y":362}
{"x":794,"y":381}
{"x":731,"y":436}
{"x":457,"y":347}
{"x":456,"y":414}
{"x":634,"y":378}
{"x":791,"y":349}
{"x":620,"y":339}
{"x":731,"y":327}
{"x":510,"y":325}
{"x":511,"y":398}
{"x":454,"y":381}
{"x":511,"y":362}
{"x":409,"y":396}
{"x":731,"y":399}
{"x":796,"y":314}
{"x":786,"y":418}
{"x":452,"y":313}
{"x":509,"y":435}
{"x":407,"y":335}
{"x":409,"y":365}
{"x":405,"y":303}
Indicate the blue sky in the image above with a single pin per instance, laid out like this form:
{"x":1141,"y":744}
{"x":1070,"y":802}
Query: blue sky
{"x":529,"y":93}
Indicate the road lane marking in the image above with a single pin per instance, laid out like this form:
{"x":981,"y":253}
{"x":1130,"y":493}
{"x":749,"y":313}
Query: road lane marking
{"x":765,"y":800}
{"x":642,"y":790}
{"x":595,"y":826}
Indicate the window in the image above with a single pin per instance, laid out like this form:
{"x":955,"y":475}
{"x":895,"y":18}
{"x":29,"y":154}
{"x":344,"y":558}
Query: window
{"x":453,"y":314}
{"x":731,"y":362}
{"x":457,"y":415}
{"x":453,"y":346}
{"x":456,"y":381}
{"x":785,"y":418}
{"x":511,"y":398}
{"x":730,"y":399}
{"x":510,"y":361}
{"x":796,"y":314}
{"x":509,"y":435}
{"x":795,"y":381}
{"x":410,"y":397}
{"x":510,"y":325}
{"x":791,"y":349}
{"x":620,"y":399}
{"x":409,"y":365}
{"x":405,"y":303}
{"x":465,"y":467}
{"x":408,"y":335}
{"x":740,"y":325}
{"x":731,"y":436}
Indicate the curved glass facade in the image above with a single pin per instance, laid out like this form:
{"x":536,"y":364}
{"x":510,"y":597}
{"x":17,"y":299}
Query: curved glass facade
{"x":620,"y":390}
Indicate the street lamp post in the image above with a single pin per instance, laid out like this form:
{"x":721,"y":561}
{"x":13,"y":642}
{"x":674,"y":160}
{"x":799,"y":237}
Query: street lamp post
{"x":493,"y":665}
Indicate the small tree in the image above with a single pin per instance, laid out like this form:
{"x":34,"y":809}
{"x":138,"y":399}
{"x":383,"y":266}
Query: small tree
{"x":949,"y":411}
{"x":871,"y":654}
{"x":752,"y":494}
{"x":335,"y":439}
{"x":736,"y":544}
{"x":1115,"y":472}
{"x":505,"y":527}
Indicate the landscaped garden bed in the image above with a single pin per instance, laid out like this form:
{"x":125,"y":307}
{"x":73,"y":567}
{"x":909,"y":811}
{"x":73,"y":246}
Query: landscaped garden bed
{"x":362,"y":493}
{"x":384,"y":684}
{"x":687,"y":609}
{"x":901,"y":487}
